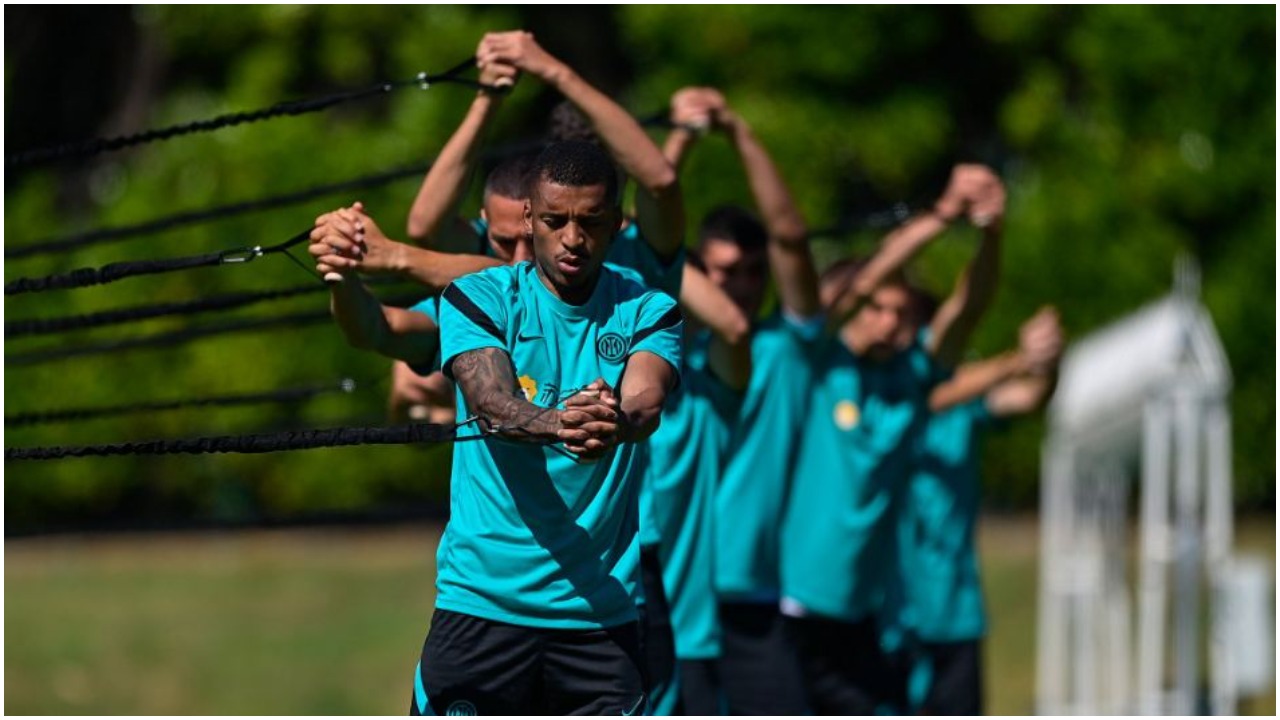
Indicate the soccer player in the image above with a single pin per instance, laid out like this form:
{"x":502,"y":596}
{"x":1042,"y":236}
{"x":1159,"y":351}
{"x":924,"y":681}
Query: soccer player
{"x":564,"y":363}
{"x":869,"y":401}
{"x":756,"y":660}
{"x":939,"y":565}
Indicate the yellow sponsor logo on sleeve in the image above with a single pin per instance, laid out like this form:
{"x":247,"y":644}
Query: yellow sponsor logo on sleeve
{"x":530,"y":387}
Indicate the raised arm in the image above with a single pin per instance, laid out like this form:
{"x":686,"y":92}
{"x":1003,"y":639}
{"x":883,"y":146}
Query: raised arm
{"x":659,"y":203}
{"x":980,"y":195}
{"x":353,"y":242}
{"x":972,"y":190}
{"x":729,"y":355}
{"x":790,"y":258}
{"x":433,"y":217}
{"x":844,"y":301}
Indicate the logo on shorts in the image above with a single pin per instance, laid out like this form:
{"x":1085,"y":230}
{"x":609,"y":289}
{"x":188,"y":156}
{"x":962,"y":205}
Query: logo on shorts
{"x":611,"y":347}
{"x":460,"y":707}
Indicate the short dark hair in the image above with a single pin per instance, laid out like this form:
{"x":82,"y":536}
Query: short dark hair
{"x":566,"y":122}
{"x":576,"y":163}
{"x":733,"y":224}
{"x":510,"y":179}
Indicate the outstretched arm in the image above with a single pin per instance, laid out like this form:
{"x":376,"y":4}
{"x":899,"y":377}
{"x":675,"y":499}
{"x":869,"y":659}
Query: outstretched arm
{"x":659,"y":203}
{"x":369,"y":325}
{"x":348,"y":240}
{"x":1017,"y":381}
{"x":646,"y":380}
{"x":433,"y":216}
{"x":488,"y":384}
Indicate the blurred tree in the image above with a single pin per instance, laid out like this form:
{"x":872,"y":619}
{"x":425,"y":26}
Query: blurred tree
{"x":1126,"y":134}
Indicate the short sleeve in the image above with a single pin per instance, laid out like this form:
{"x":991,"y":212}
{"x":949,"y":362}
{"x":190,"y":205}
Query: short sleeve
{"x":659,"y":327}
{"x":472,"y":317}
{"x":808,"y":329}
{"x":430,"y":307}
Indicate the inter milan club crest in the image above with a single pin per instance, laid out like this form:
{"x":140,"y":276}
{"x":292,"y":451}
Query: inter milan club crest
{"x":461,"y":707}
{"x":611,"y":347}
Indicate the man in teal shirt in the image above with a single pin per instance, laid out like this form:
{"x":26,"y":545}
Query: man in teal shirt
{"x":736,"y":647}
{"x":868,"y":402}
{"x":562,"y":366}
{"x":943,"y":605}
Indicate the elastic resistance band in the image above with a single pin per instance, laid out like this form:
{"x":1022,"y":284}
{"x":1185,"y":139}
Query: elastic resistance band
{"x":97,"y":146}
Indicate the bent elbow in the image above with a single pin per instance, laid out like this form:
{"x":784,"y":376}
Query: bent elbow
{"x":416,"y":228}
{"x":664,"y":182}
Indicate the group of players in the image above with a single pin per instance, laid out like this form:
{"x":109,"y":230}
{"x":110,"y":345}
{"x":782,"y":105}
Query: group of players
{"x":662,"y":501}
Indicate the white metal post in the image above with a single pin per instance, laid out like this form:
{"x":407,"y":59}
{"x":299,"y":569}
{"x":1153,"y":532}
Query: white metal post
{"x":1154,"y":554}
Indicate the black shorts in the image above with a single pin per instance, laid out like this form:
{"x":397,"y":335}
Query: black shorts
{"x":657,"y":638}
{"x":759,"y":672}
{"x":700,"y":688}
{"x":845,"y":670}
{"x":473,"y":666}
{"x":955,"y":678}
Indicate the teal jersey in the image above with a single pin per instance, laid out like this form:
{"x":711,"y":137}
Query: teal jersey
{"x":839,"y":537}
{"x":630,"y":253}
{"x":535,"y":537}
{"x":686,"y":455}
{"x":939,"y":566}
{"x":753,"y":488}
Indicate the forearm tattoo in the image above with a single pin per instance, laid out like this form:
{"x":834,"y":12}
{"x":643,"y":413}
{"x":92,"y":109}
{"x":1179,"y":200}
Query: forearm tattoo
{"x":488,"y":385}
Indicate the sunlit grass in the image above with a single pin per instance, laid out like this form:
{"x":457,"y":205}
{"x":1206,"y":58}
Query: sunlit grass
{"x":324,"y":621}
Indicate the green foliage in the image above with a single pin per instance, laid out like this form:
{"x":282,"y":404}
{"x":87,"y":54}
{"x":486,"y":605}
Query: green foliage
{"x":1126,"y":135}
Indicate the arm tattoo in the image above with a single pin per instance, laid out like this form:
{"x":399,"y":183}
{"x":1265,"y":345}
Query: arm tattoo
{"x":488,"y":385}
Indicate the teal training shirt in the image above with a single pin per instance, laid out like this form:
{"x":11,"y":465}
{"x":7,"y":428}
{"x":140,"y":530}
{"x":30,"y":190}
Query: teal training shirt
{"x":686,"y":455}
{"x":630,"y":252}
{"x":839,"y":535}
{"x":534,"y":537}
{"x":753,"y":489}
{"x":938,"y":561}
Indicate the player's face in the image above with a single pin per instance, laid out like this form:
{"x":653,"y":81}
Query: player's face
{"x":877,"y":330}
{"x":572,"y":228}
{"x":508,"y":236}
{"x":742,"y":275}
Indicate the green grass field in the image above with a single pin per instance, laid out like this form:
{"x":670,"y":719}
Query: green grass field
{"x":322,"y":621}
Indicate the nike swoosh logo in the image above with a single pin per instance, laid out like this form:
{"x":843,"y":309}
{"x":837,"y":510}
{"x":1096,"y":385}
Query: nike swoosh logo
{"x":638,"y":707}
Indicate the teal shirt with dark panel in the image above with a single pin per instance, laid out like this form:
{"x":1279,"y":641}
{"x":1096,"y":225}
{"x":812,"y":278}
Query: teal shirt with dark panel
{"x":839,"y":537}
{"x":535,"y":537}
{"x":687,"y":454}
{"x":754,"y":486}
{"x":629,"y":251}
{"x":939,"y":566}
